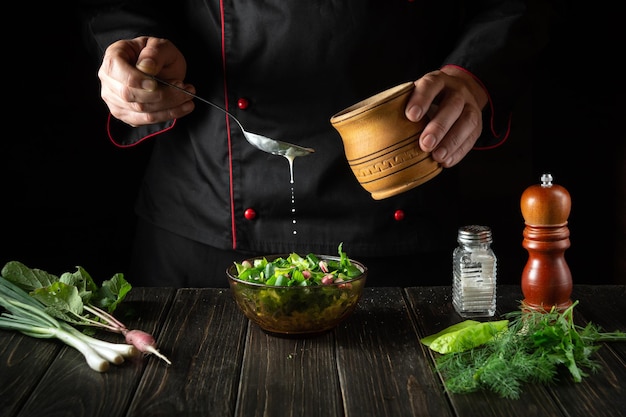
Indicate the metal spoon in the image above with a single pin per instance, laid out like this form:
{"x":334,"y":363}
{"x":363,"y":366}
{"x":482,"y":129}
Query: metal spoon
{"x":275,"y":147}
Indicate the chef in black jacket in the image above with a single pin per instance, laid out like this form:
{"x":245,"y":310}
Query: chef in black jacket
{"x":283,"y":68}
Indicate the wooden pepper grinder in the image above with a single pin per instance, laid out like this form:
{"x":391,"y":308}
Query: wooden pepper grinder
{"x":546,"y":278}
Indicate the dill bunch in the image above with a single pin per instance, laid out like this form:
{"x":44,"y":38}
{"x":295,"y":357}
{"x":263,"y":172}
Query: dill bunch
{"x":532,"y":350}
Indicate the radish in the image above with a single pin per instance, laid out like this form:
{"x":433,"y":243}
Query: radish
{"x":144,"y":342}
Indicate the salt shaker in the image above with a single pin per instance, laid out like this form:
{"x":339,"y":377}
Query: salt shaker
{"x":474,"y":273}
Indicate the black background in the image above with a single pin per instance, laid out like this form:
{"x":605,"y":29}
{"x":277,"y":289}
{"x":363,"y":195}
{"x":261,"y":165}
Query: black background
{"x":67,"y":192}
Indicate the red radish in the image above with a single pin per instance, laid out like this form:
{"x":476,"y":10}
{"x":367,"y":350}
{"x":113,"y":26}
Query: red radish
{"x":328,"y":279}
{"x":144,"y":342}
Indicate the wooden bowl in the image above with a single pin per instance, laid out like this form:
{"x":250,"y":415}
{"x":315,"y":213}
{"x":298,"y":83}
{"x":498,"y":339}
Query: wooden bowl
{"x":382,"y":145}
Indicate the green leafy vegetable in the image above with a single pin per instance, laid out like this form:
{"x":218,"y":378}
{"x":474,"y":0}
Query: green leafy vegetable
{"x":296,"y":270}
{"x":72,"y":289}
{"x":532,"y":349}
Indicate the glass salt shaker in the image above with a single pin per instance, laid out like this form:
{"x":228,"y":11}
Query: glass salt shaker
{"x":474,"y":273}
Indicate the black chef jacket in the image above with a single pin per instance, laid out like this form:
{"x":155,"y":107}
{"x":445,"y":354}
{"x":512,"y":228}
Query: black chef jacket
{"x":284,"y":68}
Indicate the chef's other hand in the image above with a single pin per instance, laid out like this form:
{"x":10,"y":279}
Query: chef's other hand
{"x":453,"y":100}
{"x":134,"y":97}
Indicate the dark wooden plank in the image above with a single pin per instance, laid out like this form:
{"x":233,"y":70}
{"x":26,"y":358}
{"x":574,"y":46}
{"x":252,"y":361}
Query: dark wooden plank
{"x":604,"y":305}
{"x":71,"y":388}
{"x":602,"y":393}
{"x":433,"y":310}
{"x":204,"y":337}
{"x":289,"y":376}
{"x":383,"y":368}
{"x":372,"y":364}
{"x":23,"y":361}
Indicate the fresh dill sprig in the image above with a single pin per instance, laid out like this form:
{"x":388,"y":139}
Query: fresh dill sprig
{"x":532,"y":349}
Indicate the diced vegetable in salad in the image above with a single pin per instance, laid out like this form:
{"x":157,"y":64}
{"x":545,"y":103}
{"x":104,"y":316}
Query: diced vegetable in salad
{"x":295,"y":270}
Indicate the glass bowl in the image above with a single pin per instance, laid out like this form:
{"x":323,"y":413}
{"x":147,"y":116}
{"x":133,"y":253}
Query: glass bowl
{"x":297,"y":310}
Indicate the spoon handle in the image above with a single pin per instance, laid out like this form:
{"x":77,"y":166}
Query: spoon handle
{"x":197,"y":97}
{"x":263,"y":143}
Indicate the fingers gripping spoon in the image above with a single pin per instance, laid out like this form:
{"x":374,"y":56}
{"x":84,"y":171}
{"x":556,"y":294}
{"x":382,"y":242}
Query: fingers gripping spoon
{"x":263,"y":143}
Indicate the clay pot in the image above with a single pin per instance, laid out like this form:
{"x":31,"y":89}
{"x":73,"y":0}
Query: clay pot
{"x":381,"y":144}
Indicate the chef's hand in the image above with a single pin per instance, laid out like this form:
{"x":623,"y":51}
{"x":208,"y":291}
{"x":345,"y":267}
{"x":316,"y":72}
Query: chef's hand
{"x":132,"y":96}
{"x":453,"y":100}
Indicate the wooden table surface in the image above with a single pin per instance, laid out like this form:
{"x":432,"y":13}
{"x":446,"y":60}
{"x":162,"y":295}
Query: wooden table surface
{"x":373,"y":364}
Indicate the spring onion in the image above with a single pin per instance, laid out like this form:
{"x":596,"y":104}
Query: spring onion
{"x":28,"y":315}
{"x":74,"y":299}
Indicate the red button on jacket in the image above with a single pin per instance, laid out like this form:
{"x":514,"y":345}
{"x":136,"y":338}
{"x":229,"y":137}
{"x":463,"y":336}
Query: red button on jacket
{"x":243,"y":103}
{"x":249,"y":214}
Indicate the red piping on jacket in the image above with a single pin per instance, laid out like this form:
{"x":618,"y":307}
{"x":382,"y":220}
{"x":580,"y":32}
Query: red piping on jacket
{"x":121,"y":145}
{"x":230,"y":149}
{"x":502,"y":138}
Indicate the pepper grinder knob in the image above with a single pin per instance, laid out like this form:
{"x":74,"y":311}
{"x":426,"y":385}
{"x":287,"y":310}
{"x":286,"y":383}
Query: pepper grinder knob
{"x":546,"y":278}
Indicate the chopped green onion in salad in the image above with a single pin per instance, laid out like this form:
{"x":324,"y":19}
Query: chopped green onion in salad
{"x":295,"y":270}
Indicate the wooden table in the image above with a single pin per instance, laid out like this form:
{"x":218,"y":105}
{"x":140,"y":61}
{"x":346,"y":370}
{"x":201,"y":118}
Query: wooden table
{"x":373,"y":364}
